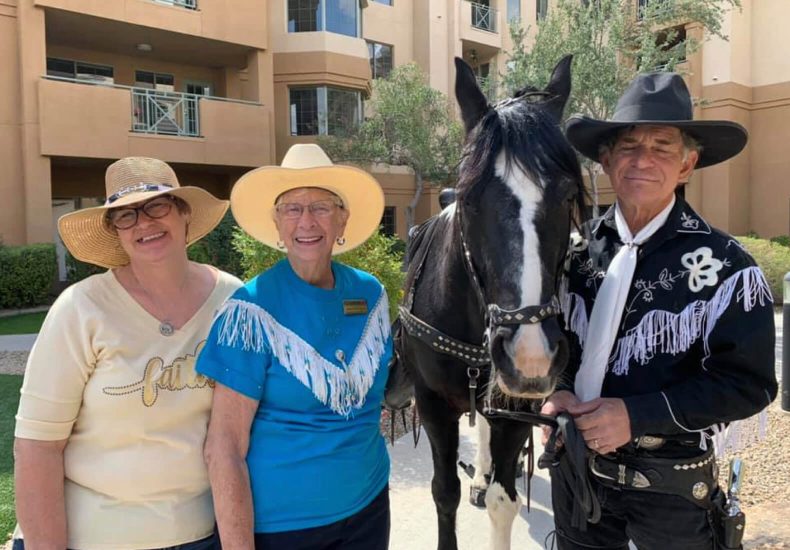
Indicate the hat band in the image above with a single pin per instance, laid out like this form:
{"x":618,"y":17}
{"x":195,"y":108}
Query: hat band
{"x":136,"y":188}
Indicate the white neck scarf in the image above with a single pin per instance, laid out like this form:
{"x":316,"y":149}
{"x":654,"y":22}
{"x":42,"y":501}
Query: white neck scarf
{"x":608,"y":308}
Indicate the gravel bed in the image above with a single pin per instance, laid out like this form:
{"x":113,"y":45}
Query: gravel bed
{"x":13,"y":362}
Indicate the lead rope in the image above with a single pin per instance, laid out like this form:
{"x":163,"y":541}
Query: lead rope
{"x":571,"y":461}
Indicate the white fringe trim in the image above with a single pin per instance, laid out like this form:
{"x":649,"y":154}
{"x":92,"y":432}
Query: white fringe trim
{"x":575,"y":313}
{"x":673,"y":333}
{"x":249,"y":326}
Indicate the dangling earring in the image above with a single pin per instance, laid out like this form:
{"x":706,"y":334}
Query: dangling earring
{"x":340,"y":241}
{"x":281,"y":245}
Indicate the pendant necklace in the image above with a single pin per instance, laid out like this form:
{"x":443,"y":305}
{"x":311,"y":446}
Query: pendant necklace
{"x":166,"y":328}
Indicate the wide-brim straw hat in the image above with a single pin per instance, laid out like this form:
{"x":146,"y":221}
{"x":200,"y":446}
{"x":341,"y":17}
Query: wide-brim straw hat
{"x":659,"y":99}
{"x":127,"y":181}
{"x":307,"y":165}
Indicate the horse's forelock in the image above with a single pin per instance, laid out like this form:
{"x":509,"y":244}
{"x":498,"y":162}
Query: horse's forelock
{"x":529,"y":137}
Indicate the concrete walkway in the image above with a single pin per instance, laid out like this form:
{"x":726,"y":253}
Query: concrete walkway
{"x":414,"y":525}
{"x":17,"y":342}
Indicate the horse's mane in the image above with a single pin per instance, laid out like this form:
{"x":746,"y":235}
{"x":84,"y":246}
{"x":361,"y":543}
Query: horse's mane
{"x":530,"y":137}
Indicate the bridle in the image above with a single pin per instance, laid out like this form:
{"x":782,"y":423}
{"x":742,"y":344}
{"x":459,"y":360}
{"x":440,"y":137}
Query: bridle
{"x":494,"y":315}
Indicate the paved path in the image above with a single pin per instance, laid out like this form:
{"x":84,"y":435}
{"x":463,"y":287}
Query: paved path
{"x":17,"y":342}
{"x":414,"y":516}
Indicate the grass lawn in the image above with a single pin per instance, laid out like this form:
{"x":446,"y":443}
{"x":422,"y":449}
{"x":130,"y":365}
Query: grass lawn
{"x":9,"y":398}
{"x":26,"y":323}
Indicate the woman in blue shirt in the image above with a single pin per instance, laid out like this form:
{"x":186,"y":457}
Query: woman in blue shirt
{"x":299,"y":354}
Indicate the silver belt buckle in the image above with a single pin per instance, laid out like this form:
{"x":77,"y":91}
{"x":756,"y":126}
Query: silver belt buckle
{"x":649,"y":442}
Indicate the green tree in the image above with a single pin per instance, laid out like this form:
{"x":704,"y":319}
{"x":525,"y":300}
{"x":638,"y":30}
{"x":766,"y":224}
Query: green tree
{"x":612,"y":41}
{"x":409,"y":124}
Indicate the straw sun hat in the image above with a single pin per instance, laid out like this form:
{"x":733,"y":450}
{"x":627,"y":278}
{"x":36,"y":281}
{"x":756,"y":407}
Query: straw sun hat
{"x":127,"y":181}
{"x":307,"y":165}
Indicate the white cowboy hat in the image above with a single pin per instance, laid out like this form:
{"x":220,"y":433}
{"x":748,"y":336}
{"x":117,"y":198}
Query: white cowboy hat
{"x":307,"y":165}
{"x":90,"y":238}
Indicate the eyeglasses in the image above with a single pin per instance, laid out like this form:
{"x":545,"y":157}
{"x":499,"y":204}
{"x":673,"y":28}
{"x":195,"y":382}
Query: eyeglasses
{"x":319,"y":209}
{"x":126,"y":217}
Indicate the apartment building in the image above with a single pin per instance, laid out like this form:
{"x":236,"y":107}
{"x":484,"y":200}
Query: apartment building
{"x":217,"y":87}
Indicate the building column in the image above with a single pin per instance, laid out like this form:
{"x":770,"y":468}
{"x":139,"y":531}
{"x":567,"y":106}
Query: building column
{"x":12,"y":222}
{"x":259,"y":86}
{"x":36,"y":172}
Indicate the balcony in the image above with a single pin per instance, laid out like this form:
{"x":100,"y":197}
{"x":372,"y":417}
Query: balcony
{"x":168,"y":24}
{"x":93,"y":120}
{"x":480,"y":26}
{"x":484,"y":17}
{"x":188,"y":4}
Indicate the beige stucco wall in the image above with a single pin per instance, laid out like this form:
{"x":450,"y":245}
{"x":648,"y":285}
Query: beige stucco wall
{"x":234,"y":134}
{"x":236,"y":21}
{"x":12,"y":221}
{"x":392,"y":25}
{"x":42,"y":119}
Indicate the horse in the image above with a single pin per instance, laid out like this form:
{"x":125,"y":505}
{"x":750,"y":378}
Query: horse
{"x":479,"y":328}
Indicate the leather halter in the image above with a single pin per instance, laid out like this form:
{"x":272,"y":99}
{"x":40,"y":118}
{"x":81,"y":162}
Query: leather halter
{"x":495,"y":315}
{"x":475,"y":356}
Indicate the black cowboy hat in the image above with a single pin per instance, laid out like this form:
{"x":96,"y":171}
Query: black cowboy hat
{"x":660,"y":99}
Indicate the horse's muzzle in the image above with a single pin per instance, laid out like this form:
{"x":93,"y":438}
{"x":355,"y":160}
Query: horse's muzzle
{"x":527,"y":360}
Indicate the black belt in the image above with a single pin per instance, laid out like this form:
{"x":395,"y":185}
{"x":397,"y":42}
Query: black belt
{"x":692,"y":478}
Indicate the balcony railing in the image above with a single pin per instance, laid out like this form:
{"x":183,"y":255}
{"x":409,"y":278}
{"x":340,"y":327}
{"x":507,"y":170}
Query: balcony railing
{"x":188,"y":4}
{"x":168,"y":113}
{"x":483,"y":17}
{"x":159,"y":112}
{"x":658,"y":8}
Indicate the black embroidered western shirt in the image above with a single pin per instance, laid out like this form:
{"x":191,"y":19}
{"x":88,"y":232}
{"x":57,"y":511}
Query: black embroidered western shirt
{"x":695,"y":344}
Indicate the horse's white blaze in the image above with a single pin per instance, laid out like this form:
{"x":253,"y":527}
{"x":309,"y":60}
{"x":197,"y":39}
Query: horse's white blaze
{"x":529,"y":348}
{"x":502,"y":511}
{"x":483,"y":454}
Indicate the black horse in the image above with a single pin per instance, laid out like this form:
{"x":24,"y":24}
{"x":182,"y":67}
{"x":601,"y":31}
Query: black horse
{"x":479,"y":326}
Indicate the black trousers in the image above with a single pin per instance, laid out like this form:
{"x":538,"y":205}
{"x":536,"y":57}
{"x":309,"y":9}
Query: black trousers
{"x":652,"y":521}
{"x":368,"y":529}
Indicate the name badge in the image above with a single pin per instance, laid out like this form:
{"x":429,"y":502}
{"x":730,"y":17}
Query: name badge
{"x":355,"y":307}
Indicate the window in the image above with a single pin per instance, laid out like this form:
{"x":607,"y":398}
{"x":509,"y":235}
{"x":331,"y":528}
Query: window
{"x":79,"y":70}
{"x":513,"y":10}
{"x":387,"y":224}
{"x":154,"y":81}
{"x":542,"y":9}
{"x":304,"y":112}
{"x":385,"y":2}
{"x":380,"y":59}
{"x":323,"y":110}
{"x":338,"y":16}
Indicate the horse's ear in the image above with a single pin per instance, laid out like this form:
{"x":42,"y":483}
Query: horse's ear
{"x":559,"y":87}
{"x":471,"y":100}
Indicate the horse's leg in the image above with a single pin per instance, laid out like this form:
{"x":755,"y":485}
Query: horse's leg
{"x":502,"y":500}
{"x":441,"y":424}
{"x":482,"y":461}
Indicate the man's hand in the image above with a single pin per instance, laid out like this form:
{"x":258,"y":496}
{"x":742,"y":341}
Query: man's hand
{"x":558,"y":402}
{"x":604,"y":423}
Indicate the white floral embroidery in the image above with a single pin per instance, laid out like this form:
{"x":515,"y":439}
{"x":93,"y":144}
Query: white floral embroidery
{"x":703,"y":268}
{"x":688,"y":222}
{"x":576,"y":244}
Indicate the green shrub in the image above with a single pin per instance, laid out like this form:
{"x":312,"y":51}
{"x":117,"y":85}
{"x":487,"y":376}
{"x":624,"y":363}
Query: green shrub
{"x":77,"y":270}
{"x":216,"y":248}
{"x":784,"y":240}
{"x":773,"y":259}
{"x":26,"y":275}
{"x":375,"y":256}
